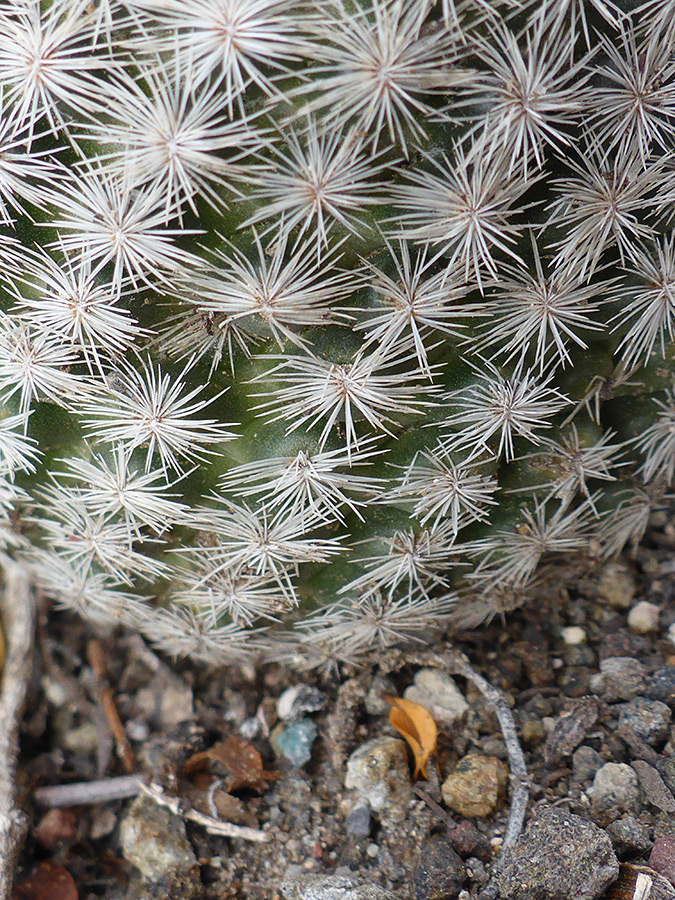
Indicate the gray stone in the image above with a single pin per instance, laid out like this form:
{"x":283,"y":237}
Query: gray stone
{"x":661,"y":686}
{"x":153,"y":840}
{"x":357,"y":822}
{"x":438,"y":693}
{"x":298,"y":700}
{"x":330,"y":887}
{"x":621,"y":678}
{"x":585,"y":763}
{"x":615,"y":791}
{"x":378,"y":772}
{"x":560,"y":856}
{"x":374,"y":702}
{"x":649,"y":720}
{"x":666,"y":768}
{"x":629,"y":836}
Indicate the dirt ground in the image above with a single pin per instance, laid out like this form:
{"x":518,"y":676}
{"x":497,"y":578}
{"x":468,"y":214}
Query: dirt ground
{"x":170,"y":713}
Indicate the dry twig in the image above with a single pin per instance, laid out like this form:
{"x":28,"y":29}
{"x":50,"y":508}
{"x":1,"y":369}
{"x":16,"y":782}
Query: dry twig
{"x":107,"y":701}
{"x":213,"y":826}
{"x":18,"y":620}
{"x":87,"y":793}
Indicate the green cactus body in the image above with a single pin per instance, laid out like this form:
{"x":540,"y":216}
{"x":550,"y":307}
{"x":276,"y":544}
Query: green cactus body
{"x":325,"y":328}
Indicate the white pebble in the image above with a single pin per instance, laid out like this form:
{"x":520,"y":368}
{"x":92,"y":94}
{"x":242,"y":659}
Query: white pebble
{"x":573,"y":635}
{"x":644,"y":617}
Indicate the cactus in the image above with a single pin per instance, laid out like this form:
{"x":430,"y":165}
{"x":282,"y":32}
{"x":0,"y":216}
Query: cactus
{"x":326,"y":327}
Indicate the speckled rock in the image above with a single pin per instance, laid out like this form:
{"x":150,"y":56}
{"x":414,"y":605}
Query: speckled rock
{"x":620,"y":678}
{"x":585,"y":763}
{"x":560,"y":856}
{"x":661,"y":686}
{"x":662,"y":857}
{"x":378,"y":772}
{"x":615,"y":791}
{"x":439,"y":872}
{"x":649,"y":720}
{"x":154,"y":840}
{"x":440,"y":695}
{"x":330,"y":887}
{"x":629,"y":837}
{"x":477,"y":785}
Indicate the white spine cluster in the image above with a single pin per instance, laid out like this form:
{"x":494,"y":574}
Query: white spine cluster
{"x":293,"y":296}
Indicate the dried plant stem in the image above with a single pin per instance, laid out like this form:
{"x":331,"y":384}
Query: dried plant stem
{"x":213,"y":826}
{"x":18,"y":620}
{"x":107,"y":701}
{"x":86,"y":793}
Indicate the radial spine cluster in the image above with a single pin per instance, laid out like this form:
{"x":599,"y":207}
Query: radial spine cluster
{"x":327,"y":326}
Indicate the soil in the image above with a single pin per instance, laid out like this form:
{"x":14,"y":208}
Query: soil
{"x":170,"y":712}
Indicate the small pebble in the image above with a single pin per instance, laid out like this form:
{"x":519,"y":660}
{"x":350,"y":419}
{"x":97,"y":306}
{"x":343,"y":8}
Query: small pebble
{"x":83,"y":739}
{"x":649,"y":720}
{"x":573,"y":635}
{"x":560,"y":856}
{"x":533,"y":733}
{"x":330,"y":887}
{"x":475,"y":869}
{"x":298,"y":700}
{"x":615,"y":791}
{"x":56,"y":827}
{"x":670,"y":634}
{"x":585,"y":763}
{"x":436,"y":691}
{"x":469,"y":841}
{"x":666,"y":769}
{"x":372,"y":850}
{"x":620,"y":678}
{"x":103,"y":822}
{"x":357,"y":822}
{"x":644,"y":617}
{"x":616,"y":585}
{"x":154,"y":840}
{"x":378,"y":772}
{"x":294,"y":741}
{"x":250,"y":728}
{"x":137,"y":730}
{"x":374,"y":702}
{"x":477,"y":785}
{"x":661,"y":686}
{"x":629,"y":836}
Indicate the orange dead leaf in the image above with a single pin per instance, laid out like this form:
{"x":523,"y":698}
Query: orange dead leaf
{"x":416,"y":724}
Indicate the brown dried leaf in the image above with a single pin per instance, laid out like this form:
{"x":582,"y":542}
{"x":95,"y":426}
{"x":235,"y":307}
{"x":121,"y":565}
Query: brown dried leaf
{"x":415,"y":723}
{"x":49,"y":882}
{"x":241,"y":762}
